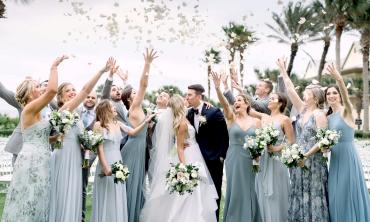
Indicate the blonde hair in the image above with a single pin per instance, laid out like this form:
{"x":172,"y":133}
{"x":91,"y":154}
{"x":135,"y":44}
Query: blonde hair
{"x":176,"y":103}
{"x":24,"y":90}
{"x":104,"y":113}
{"x":60,"y":91}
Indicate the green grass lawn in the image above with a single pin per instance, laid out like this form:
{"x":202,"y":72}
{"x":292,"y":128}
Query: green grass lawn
{"x":88,"y":206}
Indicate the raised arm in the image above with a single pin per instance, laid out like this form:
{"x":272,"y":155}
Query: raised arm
{"x":75,"y":102}
{"x":38,"y":104}
{"x":343,"y":90}
{"x":227,"y":109}
{"x":149,"y":56}
{"x":133,"y":131}
{"x":9,"y":97}
{"x":292,"y":94}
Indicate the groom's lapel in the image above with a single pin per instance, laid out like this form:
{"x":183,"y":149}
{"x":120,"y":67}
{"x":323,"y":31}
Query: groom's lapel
{"x":202,"y":113}
{"x":191,"y":117}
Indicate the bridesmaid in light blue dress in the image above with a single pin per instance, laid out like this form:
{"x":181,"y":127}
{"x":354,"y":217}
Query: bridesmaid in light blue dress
{"x":308,"y":195}
{"x":272,"y":182}
{"x":66,"y":179}
{"x":29,"y":191}
{"x":109,"y":198}
{"x":241,"y":199}
{"x":134,"y":151}
{"x":348,"y":193}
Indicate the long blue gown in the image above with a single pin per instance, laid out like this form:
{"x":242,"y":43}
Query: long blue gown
{"x":272,"y":186}
{"x":348,"y":194}
{"x":241,"y":199}
{"x":133,"y":155}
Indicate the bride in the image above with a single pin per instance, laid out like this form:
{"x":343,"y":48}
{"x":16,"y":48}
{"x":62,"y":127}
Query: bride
{"x":160,"y":205}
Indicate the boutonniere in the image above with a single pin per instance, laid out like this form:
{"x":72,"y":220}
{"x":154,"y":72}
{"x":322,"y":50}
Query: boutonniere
{"x":202,"y":120}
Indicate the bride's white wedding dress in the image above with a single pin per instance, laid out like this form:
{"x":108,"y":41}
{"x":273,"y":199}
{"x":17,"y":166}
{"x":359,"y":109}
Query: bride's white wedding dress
{"x":160,"y":205}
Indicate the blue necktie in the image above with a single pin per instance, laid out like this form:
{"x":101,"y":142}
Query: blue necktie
{"x":87,"y":117}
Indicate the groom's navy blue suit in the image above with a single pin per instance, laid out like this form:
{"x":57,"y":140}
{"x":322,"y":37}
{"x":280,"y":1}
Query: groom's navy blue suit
{"x":213,"y":140}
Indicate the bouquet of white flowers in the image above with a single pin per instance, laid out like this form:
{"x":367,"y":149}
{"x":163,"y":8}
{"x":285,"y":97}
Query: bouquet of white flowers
{"x":90,"y":141}
{"x":269,"y":134}
{"x":61,"y":122}
{"x":326,"y":139}
{"x":151,"y":109}
{"x":256,"y":146}
{"x":120,"y":172}
{"x":291,"y":155}
{"x":182,"y":178}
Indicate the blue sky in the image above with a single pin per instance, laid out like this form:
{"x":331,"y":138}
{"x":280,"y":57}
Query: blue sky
{"x":33,"y":35}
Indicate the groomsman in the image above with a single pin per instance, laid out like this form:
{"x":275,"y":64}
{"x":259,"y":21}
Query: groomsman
{"x":259,"y":101}
{"x":88,"y":117}
{"x":114,"y":93}
{"x":15,"y":141}
{"x":211,"y":134}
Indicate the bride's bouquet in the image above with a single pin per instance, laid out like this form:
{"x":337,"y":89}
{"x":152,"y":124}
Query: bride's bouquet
{"x":326,"y":139}
{"x":61,"y":122}
{"x":90,"y":141}
{"x":256,"y":146}
{"x":269,"y":134}
{"x":182,"y":178}
{"x":291,"y":155}
{"x":120,"y":172}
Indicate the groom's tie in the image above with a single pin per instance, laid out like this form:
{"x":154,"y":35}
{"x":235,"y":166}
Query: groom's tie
{"x":194,"y":111}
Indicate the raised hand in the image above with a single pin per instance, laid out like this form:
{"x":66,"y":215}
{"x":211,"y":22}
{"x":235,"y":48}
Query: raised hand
{"x":149,"y":56}
{"x":282,"y":63}
{"x":122,"y":74}
{"x":332,"y":70}
{"x":216,"y":79}
{"x":110,"y":63}
{"x":59,"y":60}
{"x":113,"y":68}
{"x":236,"y":86}
{"x":224,"y":78}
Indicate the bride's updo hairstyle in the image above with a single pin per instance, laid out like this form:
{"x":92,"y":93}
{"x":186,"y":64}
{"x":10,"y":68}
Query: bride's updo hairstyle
{"x":24,"y":91}
{"x":176,"y":103}
{"x":104,"y":113}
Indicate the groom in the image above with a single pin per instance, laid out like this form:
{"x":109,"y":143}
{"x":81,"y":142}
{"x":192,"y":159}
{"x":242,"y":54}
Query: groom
{"x":211,"y":134}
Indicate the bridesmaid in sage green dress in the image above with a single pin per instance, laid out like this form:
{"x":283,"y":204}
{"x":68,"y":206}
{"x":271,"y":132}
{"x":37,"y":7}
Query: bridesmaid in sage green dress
{"x":29,"y":190}
{"x":272,"y":182}
{"x":241,"y":199}
{"x":133,"y":152}
{"x":109,"y":198}
{"x":66,"y":162}
{"x":348,"y":193}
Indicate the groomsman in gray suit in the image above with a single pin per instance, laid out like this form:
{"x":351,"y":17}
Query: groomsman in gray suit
{"x":15,"y":141}
{"x":259,"y":101}
{"x":114,"y":93}
{"x":88,"y":117}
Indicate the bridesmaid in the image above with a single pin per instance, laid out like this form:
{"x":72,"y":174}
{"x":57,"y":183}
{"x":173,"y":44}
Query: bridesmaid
{"x":348,"y":194}
{"x":109,"y":198}
{"x":29,"y":190}
{"x":308,"y":196}
{"x":272,"y":182}
{"x":133,"y":152}
{"x":241,"y":199}
{"x":66,"y":163}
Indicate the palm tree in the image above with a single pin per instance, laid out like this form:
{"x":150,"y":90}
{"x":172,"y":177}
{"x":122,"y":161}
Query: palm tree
{"x":293,"y":28}
{"x":341,"y":9}
{"x":2,"y":9}
{"x":239,"y":37}
{"x":360,"y":20}
{"x":323,"y":26}
{"x":271,"y":74}
{"x":212,"y":56}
